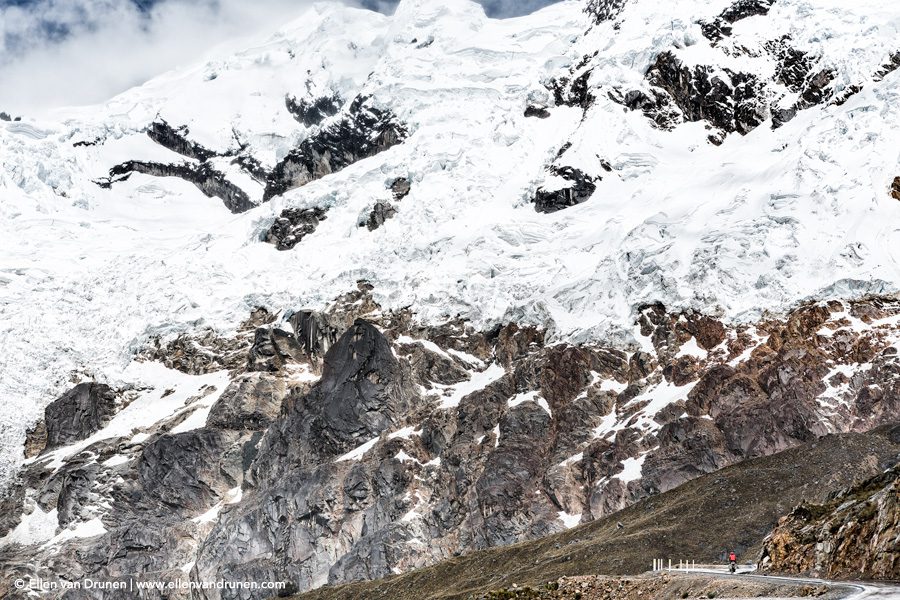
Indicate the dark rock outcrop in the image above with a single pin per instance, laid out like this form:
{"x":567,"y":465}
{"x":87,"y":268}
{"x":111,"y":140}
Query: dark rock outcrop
{"x":895,"y":188}
{"x":535,"y":110}
{"x":363,"y":132}
{"x":889,"y":67}
{"x":400,"y":188}
{"x":604,"y":10}
{"x":581,"y":187}
{"x":655,"y":104}
{"x":176,"y":140}
{"x":363,"y":391}
{"x":732,"y":101}
{"x":207,"y":179}
{"x":796,"y":70}
{"x":727,"y":100}
{"x":78,"y":413}
{"x":313,"y":112}
{"x":293,"y":225}
{"x":741,"y":9}
{"x":573,"y":90}
{"x":381,"y":212}
{"x":203,"y":174}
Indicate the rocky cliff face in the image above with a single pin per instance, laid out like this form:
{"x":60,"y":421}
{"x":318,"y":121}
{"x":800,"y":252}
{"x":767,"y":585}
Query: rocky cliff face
{"x":855,"y":535}
{"x":416,"y":443}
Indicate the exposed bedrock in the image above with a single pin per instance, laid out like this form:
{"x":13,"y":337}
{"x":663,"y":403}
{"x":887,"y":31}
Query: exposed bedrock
{"x":853,"y":535}
{"x":78,"y":413}
{"x":207,"y":179}
{"x":604,"y":10}
{"x":304,"y":509}
{"x":311,"y":112}
{"x":720,"y":27}
{"x":362,"y":132}
{"x":176,"y":140}
{"x":400,"y":188}
{"x":420,"y":442}
{"x":576,"y":187}
{"x":727,"y":100}
{"x":294,"y":224}
{"x":381,"y":212}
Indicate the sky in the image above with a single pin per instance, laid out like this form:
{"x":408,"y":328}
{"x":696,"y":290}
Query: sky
{"x":75,"y":52}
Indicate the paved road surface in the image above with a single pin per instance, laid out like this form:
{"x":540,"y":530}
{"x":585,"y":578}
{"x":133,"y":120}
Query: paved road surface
{"x":856,"y":590}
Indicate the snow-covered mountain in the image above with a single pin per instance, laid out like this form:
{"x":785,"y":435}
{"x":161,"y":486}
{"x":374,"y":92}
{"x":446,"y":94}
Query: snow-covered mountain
{"x":617,"y":226}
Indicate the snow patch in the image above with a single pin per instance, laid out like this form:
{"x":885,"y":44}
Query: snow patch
{"x":569,"y":521}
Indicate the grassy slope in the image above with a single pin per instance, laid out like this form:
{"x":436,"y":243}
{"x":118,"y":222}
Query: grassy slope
{"x":732,"y":508}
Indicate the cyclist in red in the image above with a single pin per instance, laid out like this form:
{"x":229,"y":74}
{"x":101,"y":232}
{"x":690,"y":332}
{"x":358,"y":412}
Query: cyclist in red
{"x":732,"y":557}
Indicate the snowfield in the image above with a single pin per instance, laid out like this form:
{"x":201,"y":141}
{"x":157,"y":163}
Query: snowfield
{"x":757,"y":224}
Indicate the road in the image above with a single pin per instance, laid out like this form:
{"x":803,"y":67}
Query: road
{"x":856,"y":590}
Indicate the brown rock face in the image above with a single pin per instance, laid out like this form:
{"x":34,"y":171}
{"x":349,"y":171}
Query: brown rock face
{"x":36,"y":439}
{"x":895,"y":188}
{"x":855,"y":535}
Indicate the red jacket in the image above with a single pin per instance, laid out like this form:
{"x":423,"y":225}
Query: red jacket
{"x":732,"y":557}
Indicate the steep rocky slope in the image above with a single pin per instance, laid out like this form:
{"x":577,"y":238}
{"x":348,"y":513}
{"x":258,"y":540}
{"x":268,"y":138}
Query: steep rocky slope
{"x":355,"y":444}
{"x":854,"y":535}
{"x":734,"y":505}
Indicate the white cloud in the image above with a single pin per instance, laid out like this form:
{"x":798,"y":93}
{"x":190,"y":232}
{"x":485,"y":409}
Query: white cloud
{"x":70,"y":52}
